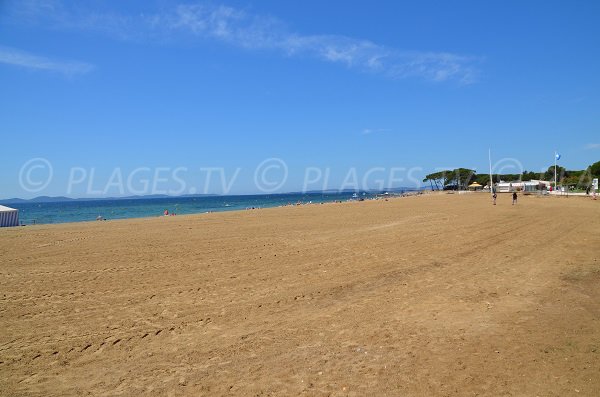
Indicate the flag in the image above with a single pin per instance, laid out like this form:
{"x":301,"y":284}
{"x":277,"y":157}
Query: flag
{"x":557,"y":155}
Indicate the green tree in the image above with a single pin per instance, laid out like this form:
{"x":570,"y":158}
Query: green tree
{"x":440,"y":178}
{"x":482,"y":179}
{"x":561,"y":173}
{"x":461,"y":177}
{"x":584,"y":178}
{"x":529,"y":175}
{"x":595,"y":169}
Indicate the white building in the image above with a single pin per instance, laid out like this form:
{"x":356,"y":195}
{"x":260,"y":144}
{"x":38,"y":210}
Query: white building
{"x":522,"y":186}
{"x":8,"y":216}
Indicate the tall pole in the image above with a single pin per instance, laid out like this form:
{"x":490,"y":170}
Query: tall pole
{"x":491,"y":181}
{"x":555,"y":185}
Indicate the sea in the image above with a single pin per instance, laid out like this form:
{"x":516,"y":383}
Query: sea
{"x":31,"y":213}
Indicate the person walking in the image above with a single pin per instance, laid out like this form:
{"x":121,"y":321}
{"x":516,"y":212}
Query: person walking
{"x":514,"y":198}
{"x":494,"y":198}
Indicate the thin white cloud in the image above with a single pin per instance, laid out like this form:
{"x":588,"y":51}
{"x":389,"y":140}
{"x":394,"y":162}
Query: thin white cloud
{"x":251,"y":31}
{"x":369,"y":131}
{"x":591,"y":146}
{"x":15,"y":57}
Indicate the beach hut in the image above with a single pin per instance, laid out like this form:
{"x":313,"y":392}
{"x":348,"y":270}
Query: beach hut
{"x":475,"y":186}
{"x":8,"y":216}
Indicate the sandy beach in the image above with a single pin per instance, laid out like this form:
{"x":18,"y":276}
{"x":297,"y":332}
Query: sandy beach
{"x":436,"y":295}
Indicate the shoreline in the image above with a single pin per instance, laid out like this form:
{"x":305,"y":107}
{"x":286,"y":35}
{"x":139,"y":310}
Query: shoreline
{"x":225,"y":210}
{"x":423,"y":193}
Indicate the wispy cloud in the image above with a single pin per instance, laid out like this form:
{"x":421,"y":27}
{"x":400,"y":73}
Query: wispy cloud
{"x":250,"y":31}
{"x":369,"y":131}
{"x":15,"y":57}
{"x":591,"y":146}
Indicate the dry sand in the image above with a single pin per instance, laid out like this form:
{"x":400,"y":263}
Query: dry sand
{"x":422,"y":296}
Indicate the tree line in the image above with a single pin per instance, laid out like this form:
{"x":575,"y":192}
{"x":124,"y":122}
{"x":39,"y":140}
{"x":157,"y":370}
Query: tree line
{"x":461,"y":178}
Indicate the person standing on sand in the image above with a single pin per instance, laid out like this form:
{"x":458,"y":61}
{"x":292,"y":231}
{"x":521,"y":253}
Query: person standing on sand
{"x":514,"y":198}
{"x":494,"y":198}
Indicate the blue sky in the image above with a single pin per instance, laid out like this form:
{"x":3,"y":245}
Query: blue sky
{"x":105,"y":85}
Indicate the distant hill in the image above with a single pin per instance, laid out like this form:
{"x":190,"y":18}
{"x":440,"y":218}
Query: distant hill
{"x":48,"y":199}
{"x":62,"y":199}
{"x":40,"y":199}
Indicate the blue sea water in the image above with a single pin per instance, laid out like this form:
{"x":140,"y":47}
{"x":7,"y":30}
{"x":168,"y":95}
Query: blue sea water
{"x":80,"y":210}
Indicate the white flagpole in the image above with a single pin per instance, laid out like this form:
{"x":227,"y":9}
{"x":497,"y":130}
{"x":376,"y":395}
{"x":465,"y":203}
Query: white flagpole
{"x":491,"y":183}
{"x":555,"y":185}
